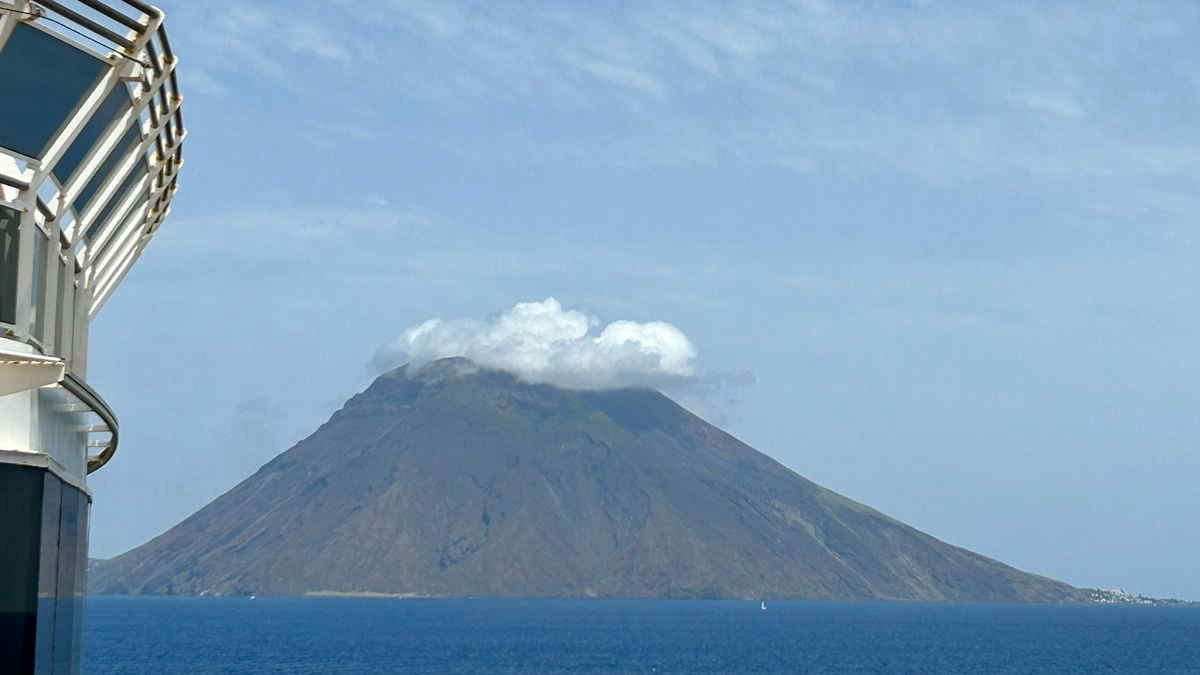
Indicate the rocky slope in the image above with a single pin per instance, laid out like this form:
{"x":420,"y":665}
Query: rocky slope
{"x":452,"y":480}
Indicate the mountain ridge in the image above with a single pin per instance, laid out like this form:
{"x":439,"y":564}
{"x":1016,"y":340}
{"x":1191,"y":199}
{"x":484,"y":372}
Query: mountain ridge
{"x":456,"y":480}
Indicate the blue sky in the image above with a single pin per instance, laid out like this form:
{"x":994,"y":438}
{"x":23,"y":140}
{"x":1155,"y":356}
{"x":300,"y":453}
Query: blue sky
{"x":954,"y":245}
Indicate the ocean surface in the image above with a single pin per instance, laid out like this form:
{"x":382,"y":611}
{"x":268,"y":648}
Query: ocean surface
{"x":381,"y":635}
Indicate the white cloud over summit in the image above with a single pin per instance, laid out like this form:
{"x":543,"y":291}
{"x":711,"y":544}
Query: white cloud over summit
{"x":544,"y":342}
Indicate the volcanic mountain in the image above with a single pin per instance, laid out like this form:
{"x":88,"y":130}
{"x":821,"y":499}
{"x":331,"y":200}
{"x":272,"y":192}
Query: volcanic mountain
{"x":455,"y":480}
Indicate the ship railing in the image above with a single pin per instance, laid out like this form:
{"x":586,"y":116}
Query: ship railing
{"x":141,"y":57}
{"x":22,"y":372}
{"x":90,"y":196}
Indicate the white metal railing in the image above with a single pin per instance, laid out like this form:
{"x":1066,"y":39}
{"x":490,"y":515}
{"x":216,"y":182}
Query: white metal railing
{"x":73,"y":255}
{"x":138,"y":57}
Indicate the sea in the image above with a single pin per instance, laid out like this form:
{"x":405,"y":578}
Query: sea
{"x":391,"y":635}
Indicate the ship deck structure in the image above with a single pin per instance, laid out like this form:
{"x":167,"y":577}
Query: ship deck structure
{"x":91,"y":145}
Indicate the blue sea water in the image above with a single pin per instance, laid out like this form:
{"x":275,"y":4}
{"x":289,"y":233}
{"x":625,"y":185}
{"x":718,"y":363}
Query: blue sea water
{"x":381,"y":635}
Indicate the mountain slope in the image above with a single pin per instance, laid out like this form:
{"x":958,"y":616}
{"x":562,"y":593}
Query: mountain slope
{"x":453,"y":480}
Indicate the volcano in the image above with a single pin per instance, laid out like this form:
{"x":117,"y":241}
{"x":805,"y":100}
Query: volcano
{"x":454,"y":480}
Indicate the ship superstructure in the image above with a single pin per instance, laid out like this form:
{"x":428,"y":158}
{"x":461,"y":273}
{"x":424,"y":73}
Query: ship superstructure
{"x":91,"y":138}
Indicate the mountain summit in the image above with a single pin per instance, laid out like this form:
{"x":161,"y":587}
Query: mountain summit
{"x":453,"y":480}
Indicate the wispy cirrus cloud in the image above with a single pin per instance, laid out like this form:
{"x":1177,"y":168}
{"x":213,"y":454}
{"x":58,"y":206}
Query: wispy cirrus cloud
{"x":626,"y":77}
{"x":815,"y":85}
{"x":310,"y":39}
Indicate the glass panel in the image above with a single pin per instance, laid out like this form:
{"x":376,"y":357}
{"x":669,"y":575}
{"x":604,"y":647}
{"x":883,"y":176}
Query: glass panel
{"x":20,"y":525}
{"x":44,"y":78}
{"x":69,"y":525}
{"x":135,"y":175}
{"x":48,"y":571}
{"x":10,"y":229}
{"x":132,"y":136}
{"x":62,"y":309}
{"x":39,"y":284}
{"x":80,"y":589}
{"x":114,"y":104}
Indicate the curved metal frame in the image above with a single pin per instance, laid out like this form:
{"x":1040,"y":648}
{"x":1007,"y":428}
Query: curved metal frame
{"x":89,"y":397}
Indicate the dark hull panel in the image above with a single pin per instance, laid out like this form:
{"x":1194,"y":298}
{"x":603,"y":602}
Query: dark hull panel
{"x":43,"y":527}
